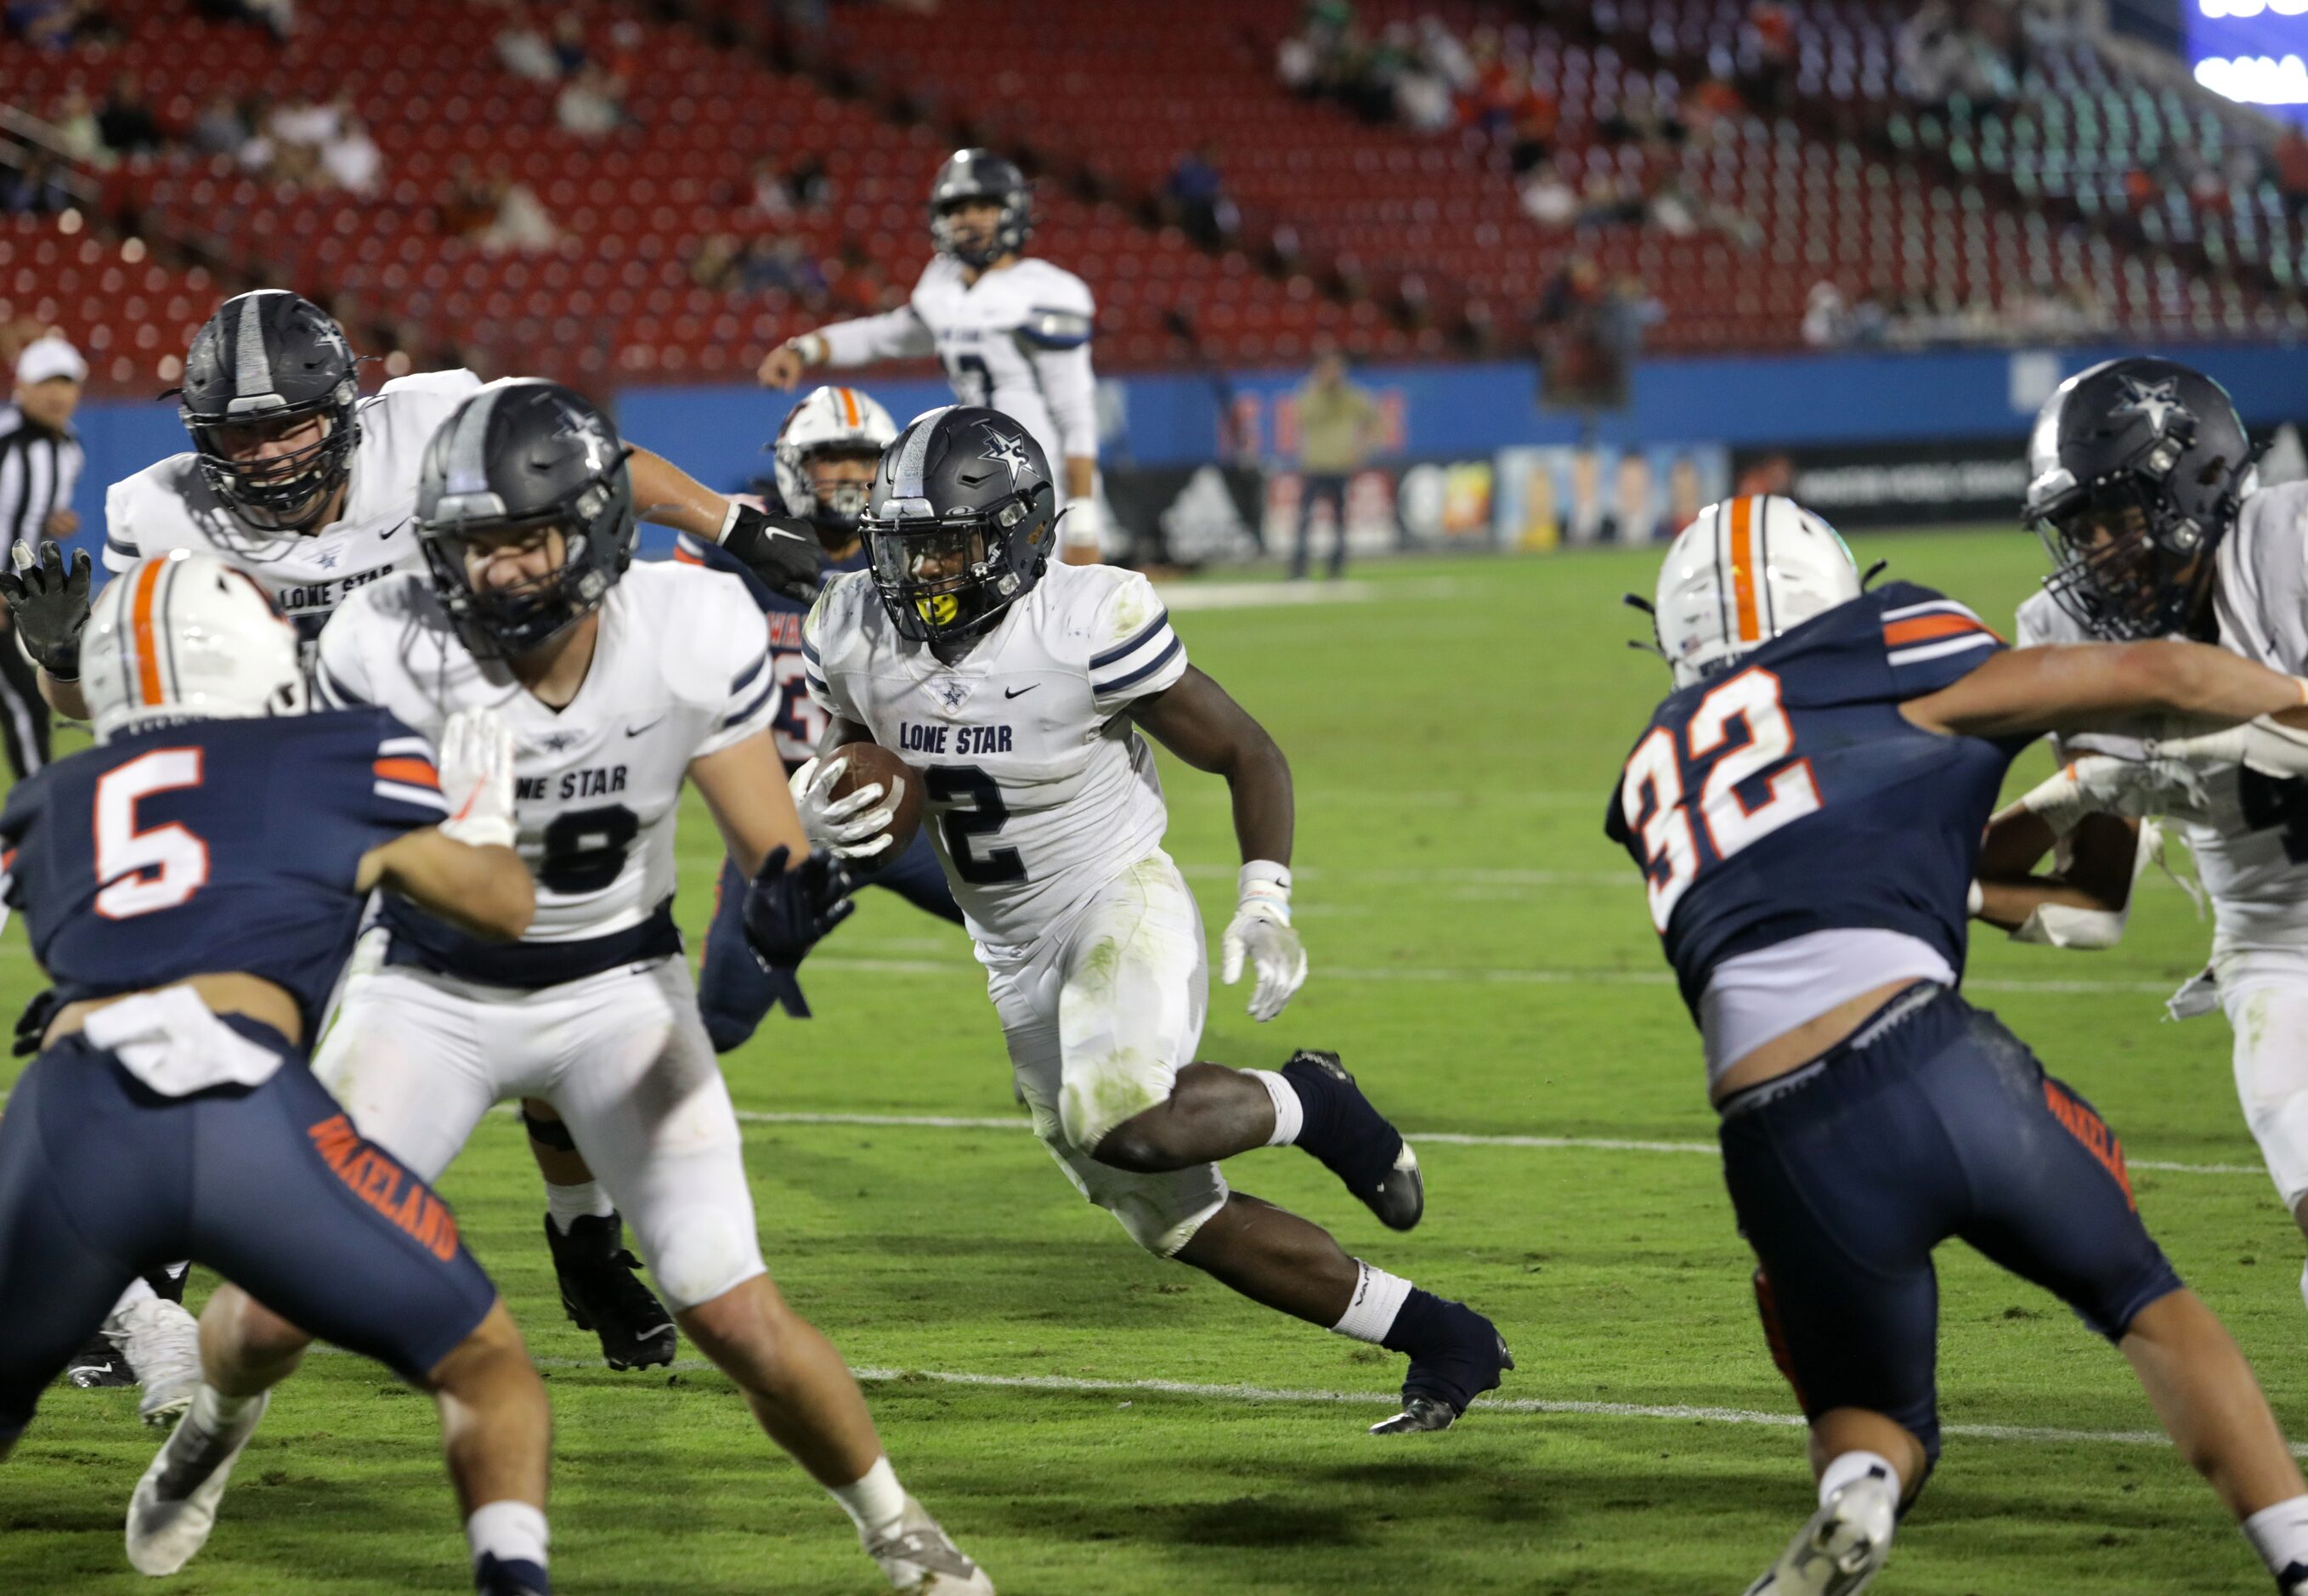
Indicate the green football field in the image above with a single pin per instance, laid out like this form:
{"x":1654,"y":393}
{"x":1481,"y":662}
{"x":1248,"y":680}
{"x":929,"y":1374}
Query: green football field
{"x":1087,"y":1418}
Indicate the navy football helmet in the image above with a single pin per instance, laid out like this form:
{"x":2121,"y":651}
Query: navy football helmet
{"x":981,"y":174}
{"x":2137,"y":470}
{"x":269,"y":356}
{"x":522,"y":457}
{"x":962,"y":520}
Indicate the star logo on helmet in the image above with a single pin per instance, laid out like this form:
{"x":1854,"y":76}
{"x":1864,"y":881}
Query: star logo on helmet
{"x":1010,"y":452}
{"x":2156,"y":400}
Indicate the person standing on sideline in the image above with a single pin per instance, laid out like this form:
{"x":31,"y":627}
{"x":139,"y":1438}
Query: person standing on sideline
{"x":41,"y":458}
{"x":1337,"y":423}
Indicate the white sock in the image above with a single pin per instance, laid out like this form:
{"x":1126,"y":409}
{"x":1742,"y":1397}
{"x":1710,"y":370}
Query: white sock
{"x":875,"y":1503}
{"x":1289,"y":1113}
{"x":509,"y":1532}
{"x":139,"y":1291}
{"x":569,"y":1203}
{"x":2279,"y":1534}
{"x":1378,"y":1297}
{"x":1856,"y":1465}
{"x":216,"y":1412}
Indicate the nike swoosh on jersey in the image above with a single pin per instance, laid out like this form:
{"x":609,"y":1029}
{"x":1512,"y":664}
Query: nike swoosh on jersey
{"x":645,"y":726}
{"x":1018,"y":692}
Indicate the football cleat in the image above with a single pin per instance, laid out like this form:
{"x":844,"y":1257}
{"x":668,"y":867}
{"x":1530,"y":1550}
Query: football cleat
{"x":1444,"y":1381}
{"x":100,"y":1366}
{"x":162,"y":1343}
{"x":1842,"y":1548}
{"x":174,"y":1506}
{"x":601,"y":1292}
{"x":921,"y":1559}
{"x":493,"y":1576}
{"x":1360,"y":1145}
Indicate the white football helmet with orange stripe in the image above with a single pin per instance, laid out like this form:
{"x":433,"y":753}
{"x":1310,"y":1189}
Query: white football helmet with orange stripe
{"x":1746,"y":570}
{"x":831,"y":421}
{"x":187,"y":636}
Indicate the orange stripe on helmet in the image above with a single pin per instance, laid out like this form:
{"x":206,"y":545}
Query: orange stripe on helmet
{"x":1742,"y":569}
{"x":850,"y":406}
{"x":140,"y":611}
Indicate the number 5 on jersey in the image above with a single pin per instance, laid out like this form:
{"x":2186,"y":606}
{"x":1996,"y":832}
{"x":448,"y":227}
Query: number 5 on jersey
{"x":1652,"y":794}
{"x":144,"y":871}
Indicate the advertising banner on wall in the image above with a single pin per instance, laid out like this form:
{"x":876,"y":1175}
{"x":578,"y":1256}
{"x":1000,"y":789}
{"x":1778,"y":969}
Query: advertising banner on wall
{"x":1977,"y":480}
{"x":1554,"y":496}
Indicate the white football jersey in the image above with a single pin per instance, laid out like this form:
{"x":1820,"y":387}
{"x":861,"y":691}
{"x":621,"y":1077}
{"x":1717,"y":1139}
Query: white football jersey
{"x":1040,"y":789}
{"x":1017,"y":340}
{"x":171,"y":506}
{"x":681,"y":669}
{"x":2253,"y":861}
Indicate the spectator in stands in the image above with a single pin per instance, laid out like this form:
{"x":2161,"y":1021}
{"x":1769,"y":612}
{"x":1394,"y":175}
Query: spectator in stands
{"x":468,"y":206}
{"x":592,"y":103}
{"x":569,"y":51}
{"x":60,"y":25}
{"x":519,"y":224}
{"x":1547,"y":197}
{"x":1767,"y":56}
{"x":1589,"y":330}
{"x":1195,"y":196}
{"x":276,"y":17}
{"x":2290,"y":161}
{"x":124,"y":121}
{"x":218,"y":130}
{"x":1339,"y":425}
{"x":76,"y":132}
{"x":1827,"y":320}
{"x":351,"y":159}
{"x":35,"y":187}
{"x":524,"y":50}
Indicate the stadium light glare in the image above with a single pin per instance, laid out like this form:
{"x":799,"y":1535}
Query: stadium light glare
{"x":2255,"y":80}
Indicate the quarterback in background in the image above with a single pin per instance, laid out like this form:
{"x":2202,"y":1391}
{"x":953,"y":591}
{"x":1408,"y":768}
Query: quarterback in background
{"x":824,"y":456}
{"x":1011,"y":331}
{"x":1018,"y":690}
{"x":1806,"y":807}
{"x":2142,"y":490}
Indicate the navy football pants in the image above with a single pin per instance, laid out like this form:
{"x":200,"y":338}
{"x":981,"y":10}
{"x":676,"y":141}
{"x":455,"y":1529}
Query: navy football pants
{"x":734,"y":992}
{"x":102,"y":1179}
{"x":1932,"y":1122}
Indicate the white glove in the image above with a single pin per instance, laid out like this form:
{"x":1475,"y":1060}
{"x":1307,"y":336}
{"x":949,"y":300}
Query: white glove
{"x":476,"y":779}
{"x":2103,"y":784}
{"x":1084,"y":526}
{"x":855,"y":827}
{"x":1261,"y":931}
{"x":2262,"y":745}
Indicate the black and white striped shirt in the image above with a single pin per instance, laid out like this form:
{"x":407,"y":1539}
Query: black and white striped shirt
{"x":38,"y":470}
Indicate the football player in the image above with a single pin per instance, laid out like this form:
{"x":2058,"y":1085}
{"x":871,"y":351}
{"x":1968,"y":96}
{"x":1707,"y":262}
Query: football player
{"x":1019,"y":690}
{"x":193,"y":884}
{"x":299,"y":480}
{"x":2142,"y":488}
{"x":1012,"y":330}
{"x":1806,"y":809}
{"x":620,"y":682}
{"x":824,"y":455}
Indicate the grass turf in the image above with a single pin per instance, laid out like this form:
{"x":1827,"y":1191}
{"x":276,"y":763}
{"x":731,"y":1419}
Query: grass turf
{"x":1482,"y":958}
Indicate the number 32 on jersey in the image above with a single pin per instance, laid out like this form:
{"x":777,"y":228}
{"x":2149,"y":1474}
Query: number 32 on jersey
{"x":1738,"y":734}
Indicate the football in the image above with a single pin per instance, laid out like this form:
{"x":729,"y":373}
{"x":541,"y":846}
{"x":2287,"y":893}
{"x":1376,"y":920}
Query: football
{"x":870,"y":762}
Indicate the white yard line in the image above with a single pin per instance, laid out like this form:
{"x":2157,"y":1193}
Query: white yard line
{"x":955,"y":1122}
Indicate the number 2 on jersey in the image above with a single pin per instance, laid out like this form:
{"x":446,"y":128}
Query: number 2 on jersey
{"x":144,"y":871}
{"x":1651,"y":792}
{"x":953,"y":786}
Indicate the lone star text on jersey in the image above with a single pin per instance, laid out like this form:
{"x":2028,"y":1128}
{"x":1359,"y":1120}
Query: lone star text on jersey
{"x":596,"y":782}
{"x":952,"y":740}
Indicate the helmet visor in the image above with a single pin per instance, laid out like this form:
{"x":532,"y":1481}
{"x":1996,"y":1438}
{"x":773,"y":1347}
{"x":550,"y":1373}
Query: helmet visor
{"x":939,"y":576}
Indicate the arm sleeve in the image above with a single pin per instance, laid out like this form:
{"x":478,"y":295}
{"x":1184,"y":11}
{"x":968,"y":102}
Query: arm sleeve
{"x":1055,"y":338}
{"x":1931,"y":641}
{"x":1134,"y":653}
{"x":120,"y":550}
{"x":893,"y":335}
{"x":823,"y":691}
{"x":752,"y":700}
{"x":404,"y":783}
{"x":341,"y":678}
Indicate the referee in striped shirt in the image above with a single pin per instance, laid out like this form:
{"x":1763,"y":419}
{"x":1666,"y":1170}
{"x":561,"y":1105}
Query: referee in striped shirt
{"x":40,"y":466}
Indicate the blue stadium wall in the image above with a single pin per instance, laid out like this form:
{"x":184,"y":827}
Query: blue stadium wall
{"x":1443,"y":413}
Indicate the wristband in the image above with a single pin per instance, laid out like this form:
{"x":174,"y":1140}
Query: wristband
{"x":1262,"y":880}
{"x":728,"y":520}
{"x":802,"y":346}
{"x":482,"y":831}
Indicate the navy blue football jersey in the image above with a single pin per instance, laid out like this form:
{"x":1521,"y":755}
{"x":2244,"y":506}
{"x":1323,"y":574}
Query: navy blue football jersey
{"x":800,"y":721}
{"x":213,"y":846}
{"x":1788,"y":795}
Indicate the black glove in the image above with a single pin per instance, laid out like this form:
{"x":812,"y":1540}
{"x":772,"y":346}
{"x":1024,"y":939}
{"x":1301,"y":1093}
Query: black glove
{"x":49,"y":606}
{"x":784,"y":991}
{"x":780,"y":551}
{"x":32,"y":1024}
{"x":786,"y":911}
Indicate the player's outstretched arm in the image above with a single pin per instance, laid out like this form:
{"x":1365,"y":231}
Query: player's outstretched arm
{"x":893,"y":335}
{"x":2095,"y":685}
{"x":48,"y":606}
{"x":1196,"y":718}
{"x":484,"y":889}
{"x":745,"y":787}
